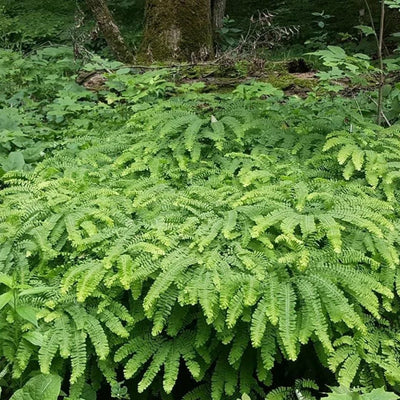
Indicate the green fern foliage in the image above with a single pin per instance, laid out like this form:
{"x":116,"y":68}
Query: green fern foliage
{"x":195,"y":238}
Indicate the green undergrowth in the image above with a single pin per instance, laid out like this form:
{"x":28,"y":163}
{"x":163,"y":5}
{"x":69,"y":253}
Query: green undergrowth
{"x":167,"y":243}
{"x":27,"y":24}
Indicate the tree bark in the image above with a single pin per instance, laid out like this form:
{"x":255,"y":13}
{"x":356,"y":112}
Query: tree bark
{"x":110,"y":30}
{"x":177,"y":30}
{"x":218,"y":14}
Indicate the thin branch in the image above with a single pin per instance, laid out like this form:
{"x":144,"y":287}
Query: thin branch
{"x":381,"y":66}
{"x":382,"y":113}
{"x":371,"y":19}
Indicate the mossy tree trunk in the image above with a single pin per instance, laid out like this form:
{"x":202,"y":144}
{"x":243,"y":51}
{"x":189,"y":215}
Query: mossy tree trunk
{"x":177,"y":30}
{"x":110,"y":30}
{"x":218,"y":13}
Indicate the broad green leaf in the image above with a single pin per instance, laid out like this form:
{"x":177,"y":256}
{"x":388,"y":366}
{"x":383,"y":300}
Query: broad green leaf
{"x":27,"y":312}
{"x":380,"y":394}
{"x":40,"y":387}
{"x":5,"y":299}
{"x":343,"y":396}
{"x":342,"y":393}
{"x":366,"y":30}
{"x":15,"y":161}
{"x":35,"y":338}
{"x":123,"y":71}
{"x":6,"y":280}
{"x":35,"y":290}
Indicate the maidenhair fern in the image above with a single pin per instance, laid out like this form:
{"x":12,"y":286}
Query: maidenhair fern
{"x":210,"y":242}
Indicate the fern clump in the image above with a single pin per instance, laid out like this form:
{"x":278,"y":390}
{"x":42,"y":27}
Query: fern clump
{"x":217,"y":241}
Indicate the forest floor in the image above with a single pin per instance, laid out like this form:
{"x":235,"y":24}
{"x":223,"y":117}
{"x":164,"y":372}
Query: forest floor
{"x":216,"y":78}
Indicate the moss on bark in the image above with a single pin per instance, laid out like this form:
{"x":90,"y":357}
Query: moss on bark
{"x":218,"y":13}
{"x":110,"y":30}
{"x":177,"y":30}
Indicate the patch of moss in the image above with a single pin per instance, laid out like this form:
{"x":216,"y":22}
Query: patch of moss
{"x":286,"y":80}
{"x":243,"y":67}
{"x":276,"y":67}
{"x":198,"y":71}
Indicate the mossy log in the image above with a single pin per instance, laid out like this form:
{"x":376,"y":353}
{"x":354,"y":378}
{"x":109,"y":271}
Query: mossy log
{"x":177,"y":30}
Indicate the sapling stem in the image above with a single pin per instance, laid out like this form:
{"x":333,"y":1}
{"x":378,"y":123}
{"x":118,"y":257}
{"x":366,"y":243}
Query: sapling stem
{"x":381,"y":66}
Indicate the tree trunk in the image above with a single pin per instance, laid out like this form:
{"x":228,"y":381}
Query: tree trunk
{"x":110,"y":30}
{"x":218,"y":14}
{"x":177,"y":30}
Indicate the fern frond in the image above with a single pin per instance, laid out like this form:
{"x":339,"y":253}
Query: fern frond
{"x":287,"y":320}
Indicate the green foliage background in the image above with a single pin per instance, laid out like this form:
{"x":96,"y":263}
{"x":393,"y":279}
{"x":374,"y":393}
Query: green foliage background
{"x":31,"y":22}
{"x":180,"y":244}
{"x":161,"y":241}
